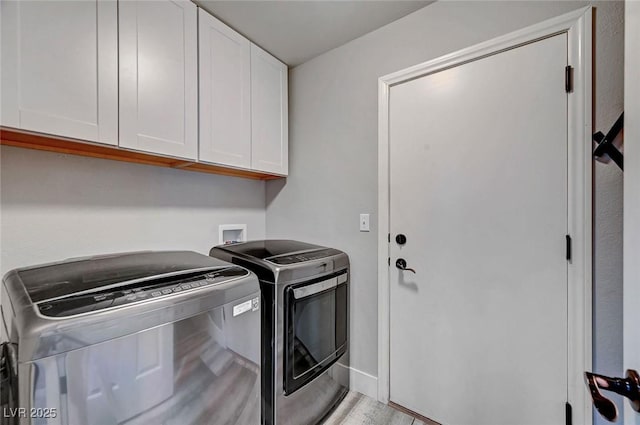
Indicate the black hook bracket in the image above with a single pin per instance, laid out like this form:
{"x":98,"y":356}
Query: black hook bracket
{"x":605,"y":143}
{"x":628,"y":387}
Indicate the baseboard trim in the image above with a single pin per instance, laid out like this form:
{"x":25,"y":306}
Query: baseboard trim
{"x":416,"y":415}
{"x":361,"y":381}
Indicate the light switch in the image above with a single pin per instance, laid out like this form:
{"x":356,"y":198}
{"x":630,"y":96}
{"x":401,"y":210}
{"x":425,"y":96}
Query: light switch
{"x":364,"y":222}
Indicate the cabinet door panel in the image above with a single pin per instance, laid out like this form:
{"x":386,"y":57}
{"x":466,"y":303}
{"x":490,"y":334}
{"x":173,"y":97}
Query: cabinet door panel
{"x":59,"y":68}
{"x":225,"y":94}
{"x":158,"y":77}
{"x":269,"y":132}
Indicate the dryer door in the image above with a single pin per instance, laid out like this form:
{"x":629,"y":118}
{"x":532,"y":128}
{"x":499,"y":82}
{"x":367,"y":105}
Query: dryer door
{"x":315,"y":328}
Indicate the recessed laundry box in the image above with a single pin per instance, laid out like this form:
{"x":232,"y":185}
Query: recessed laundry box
{"x":135,"y":338}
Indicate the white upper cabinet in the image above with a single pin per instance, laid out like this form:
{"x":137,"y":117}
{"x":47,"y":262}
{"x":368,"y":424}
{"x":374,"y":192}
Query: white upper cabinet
{"x":269,"y":123}
{"x":159,"y":77}
{"x":225,"y":94}
{"x":162,"y":76}
{"x":59,"y":68}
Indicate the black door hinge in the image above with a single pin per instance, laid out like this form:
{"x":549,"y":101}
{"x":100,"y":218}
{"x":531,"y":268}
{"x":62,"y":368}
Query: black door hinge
{"x":568,"y":247}
{"x":567,"y":414}
{"x":389,"y":261}
{"x":389,"y":237}
{"x":568,"y":79}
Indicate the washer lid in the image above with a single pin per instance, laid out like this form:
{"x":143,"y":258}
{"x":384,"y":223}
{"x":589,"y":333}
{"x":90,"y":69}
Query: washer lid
{"x":76,"y":275}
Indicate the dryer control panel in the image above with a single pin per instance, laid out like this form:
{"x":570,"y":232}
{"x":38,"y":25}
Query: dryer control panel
{"x":303,"y":256}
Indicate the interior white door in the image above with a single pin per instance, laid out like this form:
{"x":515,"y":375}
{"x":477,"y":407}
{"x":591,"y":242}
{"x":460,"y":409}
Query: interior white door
{"x":159,"y":76}
{"x":60,"y":68}
{"x":478,"y":185}
{"x":631,"y":290}
{"x":225,"y":93}
{"x":269,"y":113}
{"x":122,"y":378}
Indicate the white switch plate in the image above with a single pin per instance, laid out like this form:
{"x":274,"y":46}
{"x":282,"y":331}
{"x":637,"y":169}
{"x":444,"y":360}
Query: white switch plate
{"x":364,"y":222}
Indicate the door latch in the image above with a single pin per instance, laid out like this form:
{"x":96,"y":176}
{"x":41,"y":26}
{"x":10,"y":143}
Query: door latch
{"x":402,"y":265}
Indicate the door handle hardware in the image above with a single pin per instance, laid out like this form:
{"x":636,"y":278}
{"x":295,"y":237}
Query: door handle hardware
{"x":628,"y":387}
{"x":402,"y":265}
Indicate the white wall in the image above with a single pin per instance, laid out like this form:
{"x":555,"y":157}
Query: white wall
{"x":607,"y":250}
{"x":632,"y":197}
{"x":333,"y":148}
{"x":55,"y":206}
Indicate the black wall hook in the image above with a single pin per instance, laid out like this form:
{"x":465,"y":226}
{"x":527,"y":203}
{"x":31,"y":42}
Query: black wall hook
{"x":605,"y":143}
{"x":628,"y":387}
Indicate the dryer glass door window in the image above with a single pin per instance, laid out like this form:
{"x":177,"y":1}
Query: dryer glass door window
{"x":316,"y":329}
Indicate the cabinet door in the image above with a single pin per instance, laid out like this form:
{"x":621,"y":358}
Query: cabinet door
{"x":269,"y":132}
{"x":159,"y":77}
{"x":225,"y":94}
{"x":59,"y":68}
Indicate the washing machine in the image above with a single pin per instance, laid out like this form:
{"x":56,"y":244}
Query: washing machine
{"x":133,"y":338}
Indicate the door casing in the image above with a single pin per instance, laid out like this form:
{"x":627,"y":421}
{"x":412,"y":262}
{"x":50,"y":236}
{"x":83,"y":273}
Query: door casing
{"x":578,"y":27}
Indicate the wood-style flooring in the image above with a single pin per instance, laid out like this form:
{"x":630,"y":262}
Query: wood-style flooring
{"x":358,"y":409}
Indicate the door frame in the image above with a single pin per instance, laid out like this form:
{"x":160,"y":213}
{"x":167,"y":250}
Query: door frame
{"x":578,"y":27}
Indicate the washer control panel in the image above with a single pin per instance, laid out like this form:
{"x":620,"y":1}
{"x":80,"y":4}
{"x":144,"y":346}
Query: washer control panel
{"x":137,"y":292}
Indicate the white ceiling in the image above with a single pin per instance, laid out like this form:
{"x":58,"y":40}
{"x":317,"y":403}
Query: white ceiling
{"x":296,"y":31}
